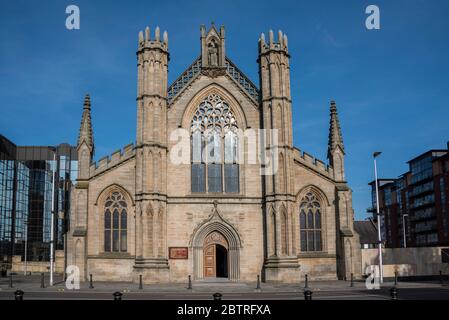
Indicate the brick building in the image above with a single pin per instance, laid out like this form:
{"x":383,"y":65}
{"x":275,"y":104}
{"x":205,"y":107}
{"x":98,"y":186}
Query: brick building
{"x":418,"y":200}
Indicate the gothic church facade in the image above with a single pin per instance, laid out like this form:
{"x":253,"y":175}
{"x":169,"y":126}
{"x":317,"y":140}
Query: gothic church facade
{"x":137,"y":213}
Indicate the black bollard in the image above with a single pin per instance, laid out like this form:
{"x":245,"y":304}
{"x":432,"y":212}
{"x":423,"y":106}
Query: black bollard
{"x":117,"y":295}
{"x":140,"y":282}
{"x":441,"y":278}
{"x":395,"y":278}
{"x":306,"y":283}
{"x":217,"y":296}
{"x":91,"y":284}
{"x":189,"y":283}
{"x":42,"y":280}
{"x":10,"y":280}
{"x":352,"y":280}
{"x":18,"y":295}
{"x":258,"y":283}
{"x":308,"y":295}
{"x":394,"y":293}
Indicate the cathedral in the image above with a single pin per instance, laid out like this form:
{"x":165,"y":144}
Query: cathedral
{"x":231,"y":211}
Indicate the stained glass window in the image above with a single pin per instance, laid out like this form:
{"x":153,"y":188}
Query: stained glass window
{"x":214,"y":168}
{"x":115,"y":223}
{"x":310,"y":223}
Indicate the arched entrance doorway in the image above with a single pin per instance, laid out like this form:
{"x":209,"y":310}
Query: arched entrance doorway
{"x":215,"y":230}
{"x":215,"y":256}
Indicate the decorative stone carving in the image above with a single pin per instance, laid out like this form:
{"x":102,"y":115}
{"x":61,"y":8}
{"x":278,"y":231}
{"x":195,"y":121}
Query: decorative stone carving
{"x":216,"y":238}
{"x":213,"y":72}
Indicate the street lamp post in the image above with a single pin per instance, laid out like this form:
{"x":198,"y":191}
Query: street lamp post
{"x":379,"y":236}
{"x":52,"y":227}
{"x":403,"y":229}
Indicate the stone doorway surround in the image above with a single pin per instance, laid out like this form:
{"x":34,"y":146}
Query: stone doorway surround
{"x":216,"y":229}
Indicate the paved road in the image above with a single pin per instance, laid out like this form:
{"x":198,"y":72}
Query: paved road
{"x":383,"y":294}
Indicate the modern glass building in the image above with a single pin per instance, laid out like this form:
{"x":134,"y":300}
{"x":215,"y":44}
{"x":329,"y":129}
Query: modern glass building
{"x":7,"y":198}
{"x":26,"y":198}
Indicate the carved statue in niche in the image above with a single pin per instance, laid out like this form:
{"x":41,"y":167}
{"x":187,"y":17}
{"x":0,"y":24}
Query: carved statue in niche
{"x":212,"y":53}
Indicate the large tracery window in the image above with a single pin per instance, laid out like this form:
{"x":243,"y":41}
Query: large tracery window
{"x":115,"y":223}
{"x":310,"y":223}
{"x":215,"y":168}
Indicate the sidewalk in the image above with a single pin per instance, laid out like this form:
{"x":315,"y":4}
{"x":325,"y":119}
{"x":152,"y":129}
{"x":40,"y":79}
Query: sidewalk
{"x":33,"y":283}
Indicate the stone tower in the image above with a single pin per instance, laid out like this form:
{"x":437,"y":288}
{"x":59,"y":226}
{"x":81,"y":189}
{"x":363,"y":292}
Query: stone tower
{"x":151,"y":157}
{"x":281,"y":261}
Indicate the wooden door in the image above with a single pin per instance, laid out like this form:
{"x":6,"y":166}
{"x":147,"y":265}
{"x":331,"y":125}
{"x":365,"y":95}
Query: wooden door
{"x":209,"y":261}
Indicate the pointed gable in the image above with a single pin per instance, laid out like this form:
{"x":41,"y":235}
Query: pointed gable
{"x":213,"y":62}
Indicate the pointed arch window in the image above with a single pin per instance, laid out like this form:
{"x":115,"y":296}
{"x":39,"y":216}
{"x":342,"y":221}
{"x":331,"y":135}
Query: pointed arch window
{"x":214,"y":144}
{"x":115,"y":223}
{"x":310,"y":223}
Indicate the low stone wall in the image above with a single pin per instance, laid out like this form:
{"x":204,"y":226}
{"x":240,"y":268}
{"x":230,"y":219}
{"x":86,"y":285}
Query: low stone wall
{"x":38,"y":266}
{"x":422,"y":261}
{"x":104,"y":270}
{"x":318,"y":268}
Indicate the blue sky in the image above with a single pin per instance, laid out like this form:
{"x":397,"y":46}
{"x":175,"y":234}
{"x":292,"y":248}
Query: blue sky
{"x":391,"y":85}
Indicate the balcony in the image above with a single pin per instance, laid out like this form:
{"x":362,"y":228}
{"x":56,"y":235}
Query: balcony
{"x":421,"y":176}
{"x":423,"y":214}
{"x":422,"y":202}
{"x":422,"y":189}
{"x":421,"y":218}
{"x":425,"y":227}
